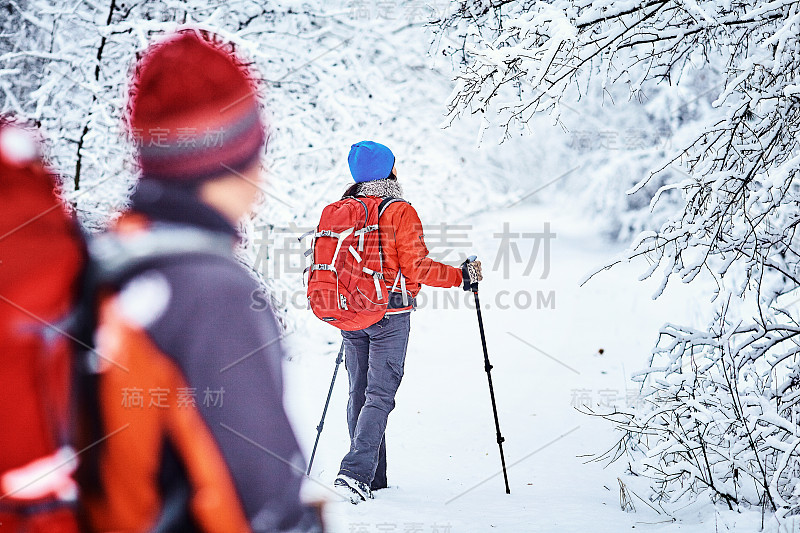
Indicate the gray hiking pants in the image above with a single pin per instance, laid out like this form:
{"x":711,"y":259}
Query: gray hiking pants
{"x":374,"y":358}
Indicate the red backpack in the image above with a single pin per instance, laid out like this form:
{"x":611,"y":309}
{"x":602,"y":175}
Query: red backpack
{"x":41,"y":258}
{"x":345,"y":282}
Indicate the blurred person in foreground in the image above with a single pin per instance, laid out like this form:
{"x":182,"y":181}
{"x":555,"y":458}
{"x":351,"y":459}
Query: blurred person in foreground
{"x":189,"y":395}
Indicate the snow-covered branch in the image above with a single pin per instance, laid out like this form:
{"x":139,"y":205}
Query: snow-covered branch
{"x":721,"y":415}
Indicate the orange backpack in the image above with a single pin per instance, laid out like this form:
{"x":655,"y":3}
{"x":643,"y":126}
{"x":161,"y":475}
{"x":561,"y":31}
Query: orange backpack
{"x":41,"y":259}
{"x":345,"y":283}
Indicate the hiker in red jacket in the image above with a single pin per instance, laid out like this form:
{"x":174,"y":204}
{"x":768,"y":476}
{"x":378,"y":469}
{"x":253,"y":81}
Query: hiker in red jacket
{"x":41,"y":259}
{"x":375,"y":355}
{"x":190,"y":393}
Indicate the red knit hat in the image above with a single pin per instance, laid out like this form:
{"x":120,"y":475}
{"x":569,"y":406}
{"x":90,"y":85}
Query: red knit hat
{"x":193,"y":111}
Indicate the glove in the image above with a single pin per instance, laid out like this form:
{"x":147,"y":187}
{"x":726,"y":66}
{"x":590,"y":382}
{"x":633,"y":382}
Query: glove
{"x":471,"y":273}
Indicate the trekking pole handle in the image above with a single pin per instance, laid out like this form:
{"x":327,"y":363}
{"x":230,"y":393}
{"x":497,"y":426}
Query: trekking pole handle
{"x":473,"y":286}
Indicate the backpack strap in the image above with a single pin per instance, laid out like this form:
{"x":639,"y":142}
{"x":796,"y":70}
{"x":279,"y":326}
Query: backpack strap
{"x":340,"y":237}
{"x":363,"y":231}
{"x":377,"y":277}
{"x":116,"y":257}
{"x":402,"y":279}
{"x":385,"y":203}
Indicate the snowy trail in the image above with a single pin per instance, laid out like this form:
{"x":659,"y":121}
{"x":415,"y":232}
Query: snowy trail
{"x":443,"y":462}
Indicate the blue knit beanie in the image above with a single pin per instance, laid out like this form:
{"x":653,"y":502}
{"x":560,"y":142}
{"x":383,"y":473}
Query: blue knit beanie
{"x":370,"y":161}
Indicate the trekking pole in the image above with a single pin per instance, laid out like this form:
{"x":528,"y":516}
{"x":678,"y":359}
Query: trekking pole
{"x":325,"y":410}
{"x":488,"y":368}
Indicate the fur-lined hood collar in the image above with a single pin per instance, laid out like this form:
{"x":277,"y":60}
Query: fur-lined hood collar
{"x":385,"y":188}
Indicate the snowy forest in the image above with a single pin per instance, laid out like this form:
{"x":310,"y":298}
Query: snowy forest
{"x":720,"y":404}
{"x":661,"y":138}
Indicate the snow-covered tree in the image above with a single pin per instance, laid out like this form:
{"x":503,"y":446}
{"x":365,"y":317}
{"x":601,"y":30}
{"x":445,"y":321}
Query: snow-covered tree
{"x":721,"y":416}
{"x":612,"y":137}
{"x":332,"y":73}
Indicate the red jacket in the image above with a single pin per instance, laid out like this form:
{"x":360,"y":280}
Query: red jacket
{"x":404,"y":248}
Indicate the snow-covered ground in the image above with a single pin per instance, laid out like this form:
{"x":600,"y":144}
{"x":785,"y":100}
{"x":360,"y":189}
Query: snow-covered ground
{"x":443,"y":461}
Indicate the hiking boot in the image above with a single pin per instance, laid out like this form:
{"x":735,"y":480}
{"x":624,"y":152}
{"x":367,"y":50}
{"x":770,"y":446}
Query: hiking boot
{"x":352,"y":489}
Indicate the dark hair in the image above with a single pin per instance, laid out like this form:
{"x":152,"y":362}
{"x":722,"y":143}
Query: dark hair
{"x":351,"y":190}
